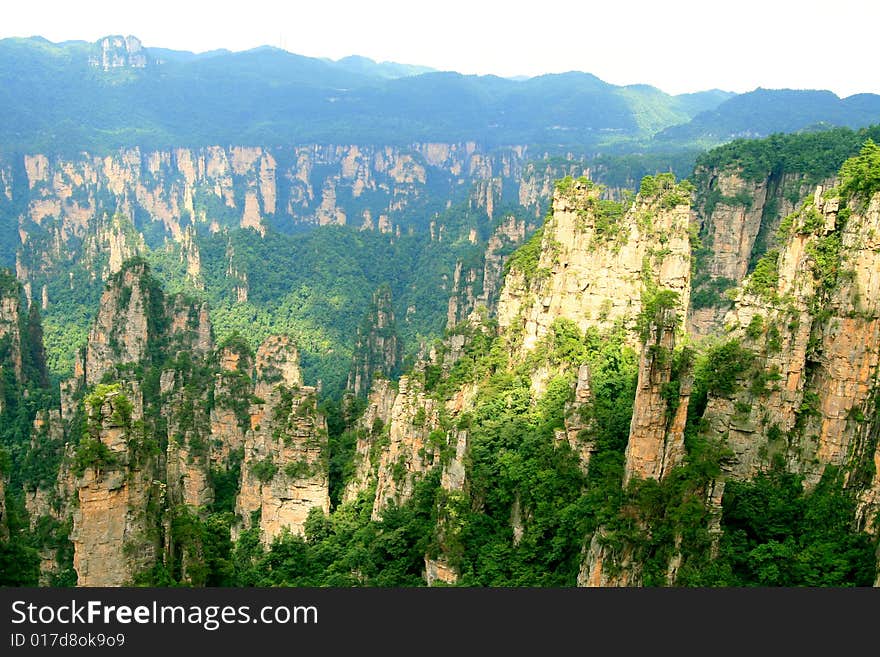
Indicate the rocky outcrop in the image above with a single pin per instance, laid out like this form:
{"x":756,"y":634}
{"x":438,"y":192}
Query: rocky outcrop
{"x":595,"y":259}
{"x":377,"y":348}
{"x":370,"y":428}
{"x":480,"y":284}
{"x":50,"y":499}
{"x":577,"y":428}
{"x":440,"y":568}
{"x":118,"y":52}
{"x":400,"y":437}
{"x":120,"y":332}
{"x":230,"y":414}
{"x":4,"y":526}
{"x":100,"y":210}
{"x":407,"y":454}
{"x":539,"y":179}
{"x":285,"y":469}
{"x":656,"y":435}
{"x":10,"y":324}
{"x":112,"y":535}
{"x":737,"y":218}
{"x":146,"y":466}
{"x":811,"y":323}
{"x":605,"y":566}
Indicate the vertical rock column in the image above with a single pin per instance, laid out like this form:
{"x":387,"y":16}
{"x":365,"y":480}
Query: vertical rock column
{"x":656,"y":437}
{"x":285,"y":473}
{"x":112,"y":535}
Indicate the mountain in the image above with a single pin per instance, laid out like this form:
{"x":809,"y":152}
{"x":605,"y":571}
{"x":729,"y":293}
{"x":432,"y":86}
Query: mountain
{"x":391,"y":70}
{"x":763,"y":112}
{"x":161,"y":98}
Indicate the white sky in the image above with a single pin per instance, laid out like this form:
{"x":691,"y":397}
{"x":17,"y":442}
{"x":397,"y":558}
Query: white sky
{"x":676,"y":45}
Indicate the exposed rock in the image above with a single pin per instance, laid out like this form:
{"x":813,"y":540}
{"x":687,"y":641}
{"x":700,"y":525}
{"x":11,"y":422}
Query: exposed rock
{"x":119,"y":52}
{"x":285,"y":469}
{"x":315,"y":184}
{"x":437,"y":570}
{"x":4,"y":527}
{"x":277,"y":362}
{"x":592,"y":270}
{"x":189,"y":253}
{"x":377,"y":348}
{"x":480,"y":285}
{"x":656,"y":435}
{"x":413,"y":417}
{"x":369,"y":427}
{"x":738,"y":218}
{"x":602,"y":566}
{"x":188,"y":454}
{"x":577,"y":431}
{"x":120,"y":331}
{"x":10,"y":322}
{"x":816,"y":349}
{"x":111,"y":528}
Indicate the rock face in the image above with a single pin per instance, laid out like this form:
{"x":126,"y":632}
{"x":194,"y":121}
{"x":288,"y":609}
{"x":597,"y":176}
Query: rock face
{"x":10,"y":323}
{"x":594,"y":260}
{"x":119,"y":52}
{"x":603,"y":567}
{"x":370,"y":427}
{"x":480,"y":285}
{"x":250,"y":187}
{"x":100,"y":210}
{"x":377,"y":348}
{"x":407,"y":453}
{"x":400,"y":439}
{"x":111,"y":524}
{"x":577,"y":430}
{"x":4,"y":527}
{"x":656,"y":435}
{"x":453,"y":483}
{"x":285,"y":470}
{"x":120,"y":332}
{"x":737,"y":218}
{"x":814,"y":332}
{"x":145,"y":463}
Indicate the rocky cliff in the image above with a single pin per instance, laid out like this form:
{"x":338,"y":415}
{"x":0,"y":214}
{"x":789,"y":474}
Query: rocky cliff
{"x":394,"y":446}
{"x":4,"y":527}
{"x":808,"y":318}
{"x":656,"y":435}
{"x":479,"y":284}
{"x":118,"y":52}
{"x":595,"y":259}
{"x":377,"y":348}
{"x":10,"y":326}
{"x":170,"y":425}
{"x":285,"y":468}
{"x":737,"y":216}
{"x":114,"y":534}
{"x":581,"y":437}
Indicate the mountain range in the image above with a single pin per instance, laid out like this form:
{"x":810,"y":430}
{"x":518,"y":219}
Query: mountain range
{"x":115,"y":93}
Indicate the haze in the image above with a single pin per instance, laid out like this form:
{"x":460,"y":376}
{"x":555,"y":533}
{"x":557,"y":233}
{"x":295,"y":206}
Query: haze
{"x":676,"y":45}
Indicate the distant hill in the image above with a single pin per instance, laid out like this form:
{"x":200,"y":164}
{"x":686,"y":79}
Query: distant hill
{"x":763,"y":112}
{"x":77,"y":96}
{"x":389,"y":70}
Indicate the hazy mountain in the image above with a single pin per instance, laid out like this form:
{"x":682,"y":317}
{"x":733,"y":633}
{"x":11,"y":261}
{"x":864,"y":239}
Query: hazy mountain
{"x":116,"y":93}
{"x":762,"y":112}
{"x":389,"y":70}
